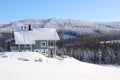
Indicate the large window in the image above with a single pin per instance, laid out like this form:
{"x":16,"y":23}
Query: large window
{"x":43,"y":43}
{"x":51,"y":43}
{"x":27,"y":46}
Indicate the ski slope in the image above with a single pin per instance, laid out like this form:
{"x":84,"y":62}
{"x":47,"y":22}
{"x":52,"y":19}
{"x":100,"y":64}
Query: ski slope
{"x":39,"y":67}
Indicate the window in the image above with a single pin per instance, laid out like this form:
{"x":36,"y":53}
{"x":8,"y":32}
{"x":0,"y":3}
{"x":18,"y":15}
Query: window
{"x":27,"y":46}
{"x":12,"y":43}
{"x":43,"y":44}
{"x":51,"y":43}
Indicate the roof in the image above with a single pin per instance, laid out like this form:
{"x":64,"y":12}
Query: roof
{"x":112,"y":41}
{"x":9,"y":40}
{"x":29,"y":37}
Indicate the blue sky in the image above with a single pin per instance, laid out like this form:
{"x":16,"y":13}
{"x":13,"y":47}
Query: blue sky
{"x":87,"y":10}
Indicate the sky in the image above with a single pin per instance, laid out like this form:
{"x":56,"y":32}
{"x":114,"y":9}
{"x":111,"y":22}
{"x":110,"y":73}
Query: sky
{"x":87,"y":10}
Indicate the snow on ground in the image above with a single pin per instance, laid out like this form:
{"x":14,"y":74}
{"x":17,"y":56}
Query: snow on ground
{"x":39,"y":67}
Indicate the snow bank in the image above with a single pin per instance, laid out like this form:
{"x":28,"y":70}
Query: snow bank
{"x":30,"y":56}
{"x":52,"y":69}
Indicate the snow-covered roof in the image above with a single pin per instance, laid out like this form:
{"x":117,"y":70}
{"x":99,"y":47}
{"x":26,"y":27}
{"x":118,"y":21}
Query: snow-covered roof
{"x":29,"y":37}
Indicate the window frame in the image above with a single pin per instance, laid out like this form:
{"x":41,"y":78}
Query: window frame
{"x":43,"y":46}
{"x":51,"y":42}
{"x":27,"y":46}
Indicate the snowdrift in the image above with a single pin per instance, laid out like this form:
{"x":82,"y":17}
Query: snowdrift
{"x":34,"y":66}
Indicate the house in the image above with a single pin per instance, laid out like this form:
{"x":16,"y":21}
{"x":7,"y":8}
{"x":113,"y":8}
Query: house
{"x":42,"y":40}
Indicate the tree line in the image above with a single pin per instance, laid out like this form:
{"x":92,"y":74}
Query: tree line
{"x":89,"y":49}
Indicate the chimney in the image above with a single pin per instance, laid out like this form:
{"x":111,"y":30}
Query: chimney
{"x":21,"y":27}
{"x":29,"y":28}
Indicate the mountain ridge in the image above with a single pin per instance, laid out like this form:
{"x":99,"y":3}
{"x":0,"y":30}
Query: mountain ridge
{"x":77,"y":26}
{"x":58,"y":20}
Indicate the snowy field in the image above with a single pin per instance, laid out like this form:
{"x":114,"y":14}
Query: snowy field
{"x":34,"y":66}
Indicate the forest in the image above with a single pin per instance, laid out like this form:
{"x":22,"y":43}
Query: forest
{"x":91,"y":49}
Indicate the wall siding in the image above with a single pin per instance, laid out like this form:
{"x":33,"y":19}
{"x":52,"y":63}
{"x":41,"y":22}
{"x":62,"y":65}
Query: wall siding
{"x":37,"y":45}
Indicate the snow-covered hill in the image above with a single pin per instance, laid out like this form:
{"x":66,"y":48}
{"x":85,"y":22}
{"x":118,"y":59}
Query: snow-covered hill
{"x":78,"y":26}
{"x":34,"y":66}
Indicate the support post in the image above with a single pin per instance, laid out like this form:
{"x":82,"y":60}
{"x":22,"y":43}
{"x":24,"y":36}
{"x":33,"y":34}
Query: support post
{"x":31,"y":47}
{"x":55,"y":47}
{"x":47,"y":48}
{"x":19,"y":47}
